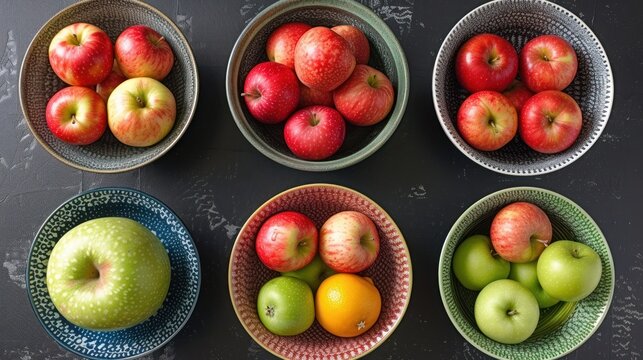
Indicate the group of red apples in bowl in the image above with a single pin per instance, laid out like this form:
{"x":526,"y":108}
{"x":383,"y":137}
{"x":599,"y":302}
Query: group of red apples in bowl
{"x":500,"y":105}
{"x":316,"y":80}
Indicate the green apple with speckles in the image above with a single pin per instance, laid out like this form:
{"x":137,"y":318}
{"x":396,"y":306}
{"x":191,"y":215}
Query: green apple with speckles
{"x":285,"y":305}
{"x":108,"y":273}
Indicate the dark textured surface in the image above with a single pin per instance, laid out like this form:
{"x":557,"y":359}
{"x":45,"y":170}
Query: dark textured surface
{"x":214,"y":179}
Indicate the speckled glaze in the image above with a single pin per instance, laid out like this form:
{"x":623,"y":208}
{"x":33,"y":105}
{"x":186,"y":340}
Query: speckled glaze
{"x":519,"y":21}
{"x":387,"y":56}
{"x":391,"y":274}
{"x":184,"y":285}
{"x":562,"y":328}
{"x":38,"y":83}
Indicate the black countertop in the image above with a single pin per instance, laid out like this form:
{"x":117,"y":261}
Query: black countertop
{"x":213,"y":179}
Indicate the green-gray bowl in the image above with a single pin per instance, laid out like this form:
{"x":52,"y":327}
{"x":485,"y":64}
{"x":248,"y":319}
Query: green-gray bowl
{"x":561,"y":328}
{"x":387,"y":56}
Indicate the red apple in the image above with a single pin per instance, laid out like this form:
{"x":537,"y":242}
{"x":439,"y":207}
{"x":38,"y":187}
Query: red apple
{"x":141,"y":111}
{"x":115,"y":78}
{"x":518,"y":94}
{"x":280,"y":46}
{"x":323,"y":59}
{"x":315,"y":132}
{"x":356,"y":40}
{"x":287,"y":241}
{"x":349,"y":242}
{"x":308,"y":97}
{"x":143,"y":52}
{"x":81,"y":54}
{"x":486,"y":62}
{"x":547,"y":62}
{"x":271,"y":92}
{"x":76,"y":115}
{"x":550,"y":121}
{"x":520,"y":231}
{"x":366,"y":97}
{"x":487,"y":120}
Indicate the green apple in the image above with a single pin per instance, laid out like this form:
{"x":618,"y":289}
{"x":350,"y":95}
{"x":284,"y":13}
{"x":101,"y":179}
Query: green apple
{"x":313,"y":274}
{"x":569,"y":270}
{"x":506,"y":311}
{"x":108,"y":273}
{"x":525,"y":273}
{"x":285,"y":306}
{"x":476,"y":264}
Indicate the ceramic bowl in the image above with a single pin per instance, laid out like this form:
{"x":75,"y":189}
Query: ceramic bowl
{"x":519,"y":21}
{"x":185,"y":281}
{"x":38,"y":83}
{"x":387,"y":56}
{"x":391,"y":274}
{"x":563,"y":327}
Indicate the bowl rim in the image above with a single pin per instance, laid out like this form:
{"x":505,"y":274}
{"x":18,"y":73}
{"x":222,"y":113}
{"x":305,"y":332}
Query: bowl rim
{"x":523,"y":170}
{"x":143,"y":195}
{"x":23,"y":105}
{"x":234,"y":103}
{"x":442,"y":262}
{"x":407,"y":253}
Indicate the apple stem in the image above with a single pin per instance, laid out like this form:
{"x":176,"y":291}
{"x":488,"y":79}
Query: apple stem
{"x":73,"y":119}
{"x":140,"y":101}
{"x":512,"y":312}
{"x":544,"y":242}
{"x":372,"y":81}
{"x":76,"y":41}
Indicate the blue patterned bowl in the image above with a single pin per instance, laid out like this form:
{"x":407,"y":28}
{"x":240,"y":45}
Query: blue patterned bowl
{"x":38,"y":83}
{"x":184,"y":286}
{"x":519,"y":21}
{"x":563,"y":327}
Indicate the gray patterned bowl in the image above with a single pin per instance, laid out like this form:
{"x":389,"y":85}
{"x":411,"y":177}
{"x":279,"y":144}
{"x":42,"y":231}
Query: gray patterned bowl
{"x":387,"y":56}
{"x":561,"y":328}
{"x":38,"y":83}
{"x":519,"y":21}
{"x":185,"y":281}
{"x":391,"y":274}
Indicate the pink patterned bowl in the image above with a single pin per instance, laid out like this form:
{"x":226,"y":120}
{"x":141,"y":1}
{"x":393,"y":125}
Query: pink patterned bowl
{"x":391,"y":274}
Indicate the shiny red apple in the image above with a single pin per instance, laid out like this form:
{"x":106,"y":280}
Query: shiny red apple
{"x":548,"y":62}
{"x":115,"y":78}
{"x":81,"y":54}
{"x":486,"y":62}
{"x":76,"y":115}
{"x":518,"y":94}
{"x":520,"y":231}
{"x":366,"y":98}
{"x":271,"y":92}
{"x":315,"y":132}
{"x":287,"y":241}
{"x":550,"y":121}
{"x":349,"y":242}
{"x":308,"y":97}
{"x":357,"y":41}
{"x":142,"y":52}
{"x":323,"y":59}
{"x":280,"y":46}
{"x":487,"y":120}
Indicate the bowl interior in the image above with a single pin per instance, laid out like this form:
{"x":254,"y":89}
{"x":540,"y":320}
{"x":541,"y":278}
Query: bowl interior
{"x":386,"y":56}
{"x":561,"y":328}
{"x":518,"y":22}
{"x":184,"y":284}
{"x":38,"y":83}
{"x":391,"y":274}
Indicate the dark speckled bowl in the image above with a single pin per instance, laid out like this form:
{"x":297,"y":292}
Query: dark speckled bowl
{"x":387,"y":56}
{"x":563,"y":327}
{"x":38,"y":83}
{"x":519,"y":21}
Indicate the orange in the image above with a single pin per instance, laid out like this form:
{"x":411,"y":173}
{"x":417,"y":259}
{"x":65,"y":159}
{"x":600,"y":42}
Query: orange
{"x":347,"y":305}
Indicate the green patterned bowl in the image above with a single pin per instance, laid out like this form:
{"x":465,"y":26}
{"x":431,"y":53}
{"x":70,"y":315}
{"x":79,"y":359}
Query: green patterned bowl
{"x":561,"y":328}
{"x":38,"y":83}
{"x":387,"y":56}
